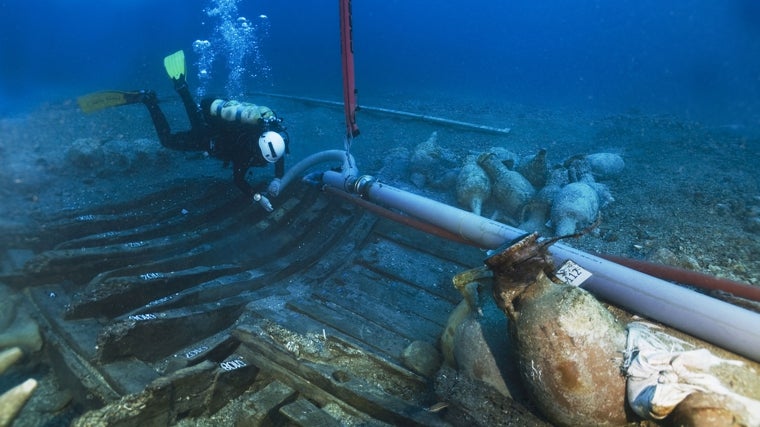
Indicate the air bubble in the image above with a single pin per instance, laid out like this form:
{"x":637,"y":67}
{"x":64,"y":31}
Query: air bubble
{"x":236,"y":39}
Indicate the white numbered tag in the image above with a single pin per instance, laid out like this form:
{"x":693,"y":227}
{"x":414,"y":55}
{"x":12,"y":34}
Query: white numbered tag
{"x":572,"y":273}
{"x":231,"y":365}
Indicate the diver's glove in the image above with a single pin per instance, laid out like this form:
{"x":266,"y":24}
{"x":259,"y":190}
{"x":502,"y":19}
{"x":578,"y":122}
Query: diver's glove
{"x":263,"y":202}
{"x":274,"y":187}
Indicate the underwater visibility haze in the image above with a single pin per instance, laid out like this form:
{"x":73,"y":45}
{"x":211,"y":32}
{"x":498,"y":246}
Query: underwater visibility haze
{"x":694,"y":58}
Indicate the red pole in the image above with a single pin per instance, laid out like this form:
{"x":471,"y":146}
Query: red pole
{"x":687,"y":277}
{"x":347,"y":56}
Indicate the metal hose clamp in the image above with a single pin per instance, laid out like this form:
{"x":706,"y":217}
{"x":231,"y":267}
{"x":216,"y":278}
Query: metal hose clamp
{"x":362,"y":184}
{"x":263,"y":201}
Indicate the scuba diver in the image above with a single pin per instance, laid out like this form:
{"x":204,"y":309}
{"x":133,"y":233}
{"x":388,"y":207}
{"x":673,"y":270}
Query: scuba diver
{"x":240,"y":133}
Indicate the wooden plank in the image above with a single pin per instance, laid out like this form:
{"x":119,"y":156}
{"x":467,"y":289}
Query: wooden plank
{"x":80,"y":335}
{"x":306,"y":414}
{"x":305,"y":325}
{"x":282,"y":366}
{"x":422,"y":270}
{"x":264,"y":405}
{"x":399,"y":295}
{"x":128,"y":376}
{"x":116,"y":295}
{"x":82,"y":264}
{"x":164,"y":220}
{"x":77,"y":374}
{"x":465,"y":256}
{"x":272,"y":274}
{"x":401,"y":320}
{"x":191,"y":392}
{"x":314,"y":267}
{"x":216,"y":347}
{"x":359,"y":328}
{"x":153,"y":336}
{"x":343,"y":250}
{"x":376,"y":401}
{"x":340,"y":378}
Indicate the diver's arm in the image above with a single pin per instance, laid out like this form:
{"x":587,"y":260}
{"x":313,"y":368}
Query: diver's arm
{"x":279,"y":167}
{"x":238,"y":175}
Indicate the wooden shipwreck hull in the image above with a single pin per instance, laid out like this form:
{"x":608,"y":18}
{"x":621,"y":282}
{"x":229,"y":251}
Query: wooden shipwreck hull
{"x":177,"y":304}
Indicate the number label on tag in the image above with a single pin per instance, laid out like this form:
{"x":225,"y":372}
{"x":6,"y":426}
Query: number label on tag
{"x":231,"y":365}
{"x":572,"y":273}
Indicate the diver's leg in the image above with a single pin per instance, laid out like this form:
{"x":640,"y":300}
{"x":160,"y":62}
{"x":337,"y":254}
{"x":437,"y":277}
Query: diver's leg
{"x":159,"y":119}
{"x":192,"y":140}
{"x":193,"y":110}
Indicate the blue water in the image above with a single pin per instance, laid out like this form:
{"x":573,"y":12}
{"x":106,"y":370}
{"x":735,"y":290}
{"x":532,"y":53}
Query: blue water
{"x":696,"y":59}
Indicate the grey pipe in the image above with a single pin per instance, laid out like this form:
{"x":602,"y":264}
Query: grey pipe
{"x":712,"y":320}
{"x":406,"y":114}
{"x":348,"y":167}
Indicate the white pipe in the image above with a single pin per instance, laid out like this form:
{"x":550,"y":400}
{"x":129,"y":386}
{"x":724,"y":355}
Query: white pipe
{"x":348,"y":167}
{"x":489,"y":234}
{"x":712,"y":320}
{"x":723,"y":324}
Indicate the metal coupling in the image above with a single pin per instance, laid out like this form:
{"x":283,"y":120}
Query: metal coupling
{"x":362,"y":184}
{"x":263,"y":201}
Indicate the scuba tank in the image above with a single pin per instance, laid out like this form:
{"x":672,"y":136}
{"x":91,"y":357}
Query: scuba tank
{"x":240,"y":112}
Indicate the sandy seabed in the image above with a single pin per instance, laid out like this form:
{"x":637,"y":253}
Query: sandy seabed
{"x":689,"y":195}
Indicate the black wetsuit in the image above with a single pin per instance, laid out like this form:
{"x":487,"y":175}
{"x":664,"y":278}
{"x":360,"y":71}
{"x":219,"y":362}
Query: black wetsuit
{"x":228,"y":141}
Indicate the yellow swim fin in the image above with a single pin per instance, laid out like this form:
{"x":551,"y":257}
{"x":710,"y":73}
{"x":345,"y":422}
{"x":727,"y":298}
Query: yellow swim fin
{"x":100,"y":100}
{"x":175,"y":64}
